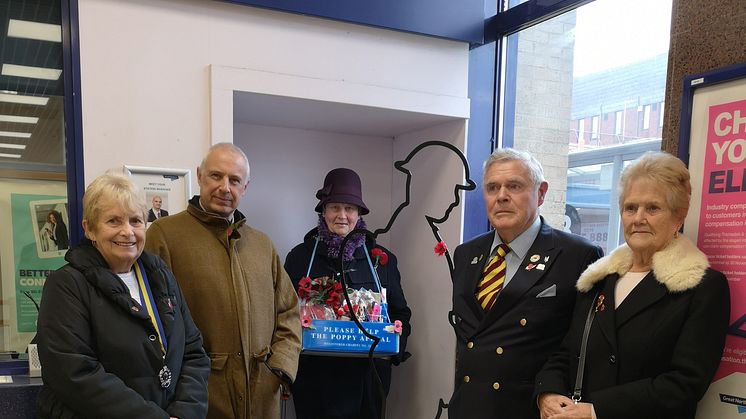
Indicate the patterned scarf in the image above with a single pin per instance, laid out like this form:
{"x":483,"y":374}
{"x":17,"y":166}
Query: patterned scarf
{"x":333,"y":240}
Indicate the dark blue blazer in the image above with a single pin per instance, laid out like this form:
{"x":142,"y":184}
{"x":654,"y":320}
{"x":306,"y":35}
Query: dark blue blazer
{"x":498,"y":353}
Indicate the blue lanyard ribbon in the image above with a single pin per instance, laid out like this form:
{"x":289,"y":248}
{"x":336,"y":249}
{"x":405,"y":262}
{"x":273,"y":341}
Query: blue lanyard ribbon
{"x":146,"y":296}
{"x":313,"y":254}
{"x":372,"y":269}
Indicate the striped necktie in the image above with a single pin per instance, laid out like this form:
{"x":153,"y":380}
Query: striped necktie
{"x":493,"y":278}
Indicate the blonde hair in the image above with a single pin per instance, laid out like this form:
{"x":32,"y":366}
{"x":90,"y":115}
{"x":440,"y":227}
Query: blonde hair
{"x":667,"y":171}
{"x":111,"y":189}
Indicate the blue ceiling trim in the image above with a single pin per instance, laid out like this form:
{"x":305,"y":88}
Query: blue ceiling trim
{"x":526,"y":15}
{"x":461,"y":20}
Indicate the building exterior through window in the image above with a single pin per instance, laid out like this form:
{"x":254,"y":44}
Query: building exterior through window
{"x":587,"y":99}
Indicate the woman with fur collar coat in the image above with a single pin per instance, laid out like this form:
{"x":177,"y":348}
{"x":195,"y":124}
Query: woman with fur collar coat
{"x":652,"y":314}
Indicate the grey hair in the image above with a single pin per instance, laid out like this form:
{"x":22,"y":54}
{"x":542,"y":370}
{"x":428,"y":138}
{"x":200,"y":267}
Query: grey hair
{"x":504,"y":155}
{"x":227,"y":147}
{"x":667,"y":171}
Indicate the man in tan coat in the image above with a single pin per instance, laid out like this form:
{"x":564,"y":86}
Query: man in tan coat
{"x":237,"y":290}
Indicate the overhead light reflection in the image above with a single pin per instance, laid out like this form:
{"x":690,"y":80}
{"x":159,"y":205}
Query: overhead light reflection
{"x":13,"y":146}
{"x":34,"y":30}
{"x":15,"y":134}
{"x":23,"y":99}
{"x":12,"y":156}
{"x":31,"y":72}
{"x":19,"y":119}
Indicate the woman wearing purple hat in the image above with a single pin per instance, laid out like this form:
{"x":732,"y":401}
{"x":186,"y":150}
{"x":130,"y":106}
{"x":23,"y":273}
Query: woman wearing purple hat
{"x":336,"y":387}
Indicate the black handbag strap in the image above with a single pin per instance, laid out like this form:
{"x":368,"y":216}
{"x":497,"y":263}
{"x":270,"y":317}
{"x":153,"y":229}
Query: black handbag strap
{"x":577,"y":392}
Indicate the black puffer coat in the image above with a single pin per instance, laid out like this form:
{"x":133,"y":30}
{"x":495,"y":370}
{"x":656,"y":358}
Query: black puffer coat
{"x":335,"y":387}
{"x":100,"y":353}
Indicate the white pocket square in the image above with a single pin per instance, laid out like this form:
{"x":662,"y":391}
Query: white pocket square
{"x":549,"y":292}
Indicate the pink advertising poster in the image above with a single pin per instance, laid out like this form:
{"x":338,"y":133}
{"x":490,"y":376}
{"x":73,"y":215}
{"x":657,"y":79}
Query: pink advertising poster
{"x":719,"y":213}
{"x":722,"y":217}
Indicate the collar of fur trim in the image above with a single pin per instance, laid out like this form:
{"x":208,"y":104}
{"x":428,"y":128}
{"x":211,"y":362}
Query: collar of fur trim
{"x":680,"y":266}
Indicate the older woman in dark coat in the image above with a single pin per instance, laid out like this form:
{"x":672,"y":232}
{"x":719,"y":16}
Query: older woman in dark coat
{"x":336,"y":387}
{"x":652,"y":313}
{"x":115,"y":336}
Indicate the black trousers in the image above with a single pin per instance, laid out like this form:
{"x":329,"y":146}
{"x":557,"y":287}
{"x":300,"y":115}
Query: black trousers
{"x":339,"y":388}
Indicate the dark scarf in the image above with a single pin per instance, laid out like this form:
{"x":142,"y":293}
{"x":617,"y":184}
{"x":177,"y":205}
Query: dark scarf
{"x":333,"y":241}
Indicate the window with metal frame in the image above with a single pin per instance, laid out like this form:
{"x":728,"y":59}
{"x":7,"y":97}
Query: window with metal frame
{"x":576,"y":62}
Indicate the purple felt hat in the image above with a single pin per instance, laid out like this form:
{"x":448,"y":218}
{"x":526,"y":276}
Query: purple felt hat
{"x":343,"y":186}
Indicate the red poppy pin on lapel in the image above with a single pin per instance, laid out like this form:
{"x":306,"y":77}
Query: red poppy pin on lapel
{"x":600,"y":306}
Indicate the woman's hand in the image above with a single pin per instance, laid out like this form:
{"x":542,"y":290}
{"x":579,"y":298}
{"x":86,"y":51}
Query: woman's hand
{"x":552,"y":404}
{"x":573,"y":411}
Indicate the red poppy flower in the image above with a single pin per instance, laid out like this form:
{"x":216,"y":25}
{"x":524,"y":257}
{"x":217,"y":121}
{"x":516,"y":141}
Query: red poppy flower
{"x":233,"y":229}
{"x":397,"y":326}
{"x":333,"y":299}
{"x":600,"y":306}
{"x":440,"y":248}
{"x":306,"y":322}
{"x":304,"y":287}
{"x":323,"y":293}
{"x":380,"y":256}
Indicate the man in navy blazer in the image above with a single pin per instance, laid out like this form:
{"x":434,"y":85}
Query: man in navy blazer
{"x":501,"y":348}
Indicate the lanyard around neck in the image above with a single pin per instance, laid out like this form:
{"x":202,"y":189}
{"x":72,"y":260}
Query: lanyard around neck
{"x":146,"y":296}
{"x":313,"y":254}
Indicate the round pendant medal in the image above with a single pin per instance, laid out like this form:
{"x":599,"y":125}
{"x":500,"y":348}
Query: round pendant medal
{"x":165,"y":376}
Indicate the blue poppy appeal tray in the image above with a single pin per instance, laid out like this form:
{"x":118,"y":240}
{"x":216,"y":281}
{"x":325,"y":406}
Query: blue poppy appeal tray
{"x":343,"y":338}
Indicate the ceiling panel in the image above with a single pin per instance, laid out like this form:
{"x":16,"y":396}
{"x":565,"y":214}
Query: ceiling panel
{"x":46,"y":143}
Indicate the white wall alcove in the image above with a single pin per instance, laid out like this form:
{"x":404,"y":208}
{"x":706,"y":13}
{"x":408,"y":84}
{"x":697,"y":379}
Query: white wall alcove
{"x":294,"y":129}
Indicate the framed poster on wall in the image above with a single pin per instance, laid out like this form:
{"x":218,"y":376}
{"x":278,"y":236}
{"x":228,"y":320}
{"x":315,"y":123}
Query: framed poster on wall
{"x":713,"y":141}
{"x":51,"y":232}
{"x":40,"y":241}
{"x":167,"y":191}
